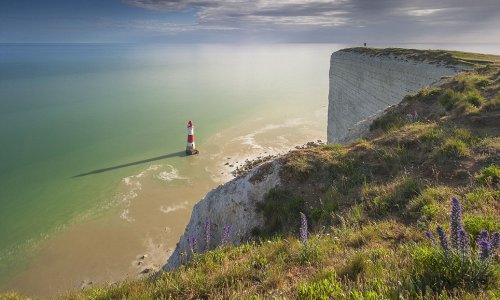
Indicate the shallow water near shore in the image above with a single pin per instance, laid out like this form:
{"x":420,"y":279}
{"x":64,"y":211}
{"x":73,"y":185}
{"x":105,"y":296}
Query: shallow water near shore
{"x":93,"y":175}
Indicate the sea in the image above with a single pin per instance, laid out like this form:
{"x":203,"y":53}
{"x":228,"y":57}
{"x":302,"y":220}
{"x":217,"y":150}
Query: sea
{"x":95,"y":186}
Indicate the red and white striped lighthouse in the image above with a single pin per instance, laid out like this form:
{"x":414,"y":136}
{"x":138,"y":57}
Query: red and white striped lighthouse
{"x":190,"y":148}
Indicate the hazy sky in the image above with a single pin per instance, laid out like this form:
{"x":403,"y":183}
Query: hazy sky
{"x":341,"y":21}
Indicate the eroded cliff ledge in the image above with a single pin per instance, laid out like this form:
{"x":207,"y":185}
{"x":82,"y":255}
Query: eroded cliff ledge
{"x":365,"y":81}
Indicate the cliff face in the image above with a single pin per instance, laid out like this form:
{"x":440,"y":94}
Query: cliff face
{"x":232,"y":204}
{"x":364,"y":84}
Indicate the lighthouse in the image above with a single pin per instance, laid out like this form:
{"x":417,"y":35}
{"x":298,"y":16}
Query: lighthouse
{"x":190,"y":148}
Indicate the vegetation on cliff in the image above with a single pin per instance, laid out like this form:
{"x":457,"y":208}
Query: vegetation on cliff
{"x":369,"y":207}
{"x":445,"y":57}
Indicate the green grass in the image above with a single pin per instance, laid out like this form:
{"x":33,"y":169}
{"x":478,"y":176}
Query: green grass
{"x":280,"y":209}
{"x":388,"y":122}
{"x":323,"y":288}
{"x":453,"y":148}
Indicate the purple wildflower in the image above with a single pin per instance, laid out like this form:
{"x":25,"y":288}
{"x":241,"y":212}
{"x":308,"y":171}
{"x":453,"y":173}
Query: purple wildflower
{"x":430,"y":236}
{"x":193,"y":244}
{"x":495,"y":241}
{"x":456,"y":221}
{"x":226,"y":236}
{"x":484,"y":244}
{"x":208,"y":229}
{"x":443,"y":240}
{"x":484,"y":249}
{"x":303,"y":228}
{"x":484,"y":235}
{"x":463,"y":241}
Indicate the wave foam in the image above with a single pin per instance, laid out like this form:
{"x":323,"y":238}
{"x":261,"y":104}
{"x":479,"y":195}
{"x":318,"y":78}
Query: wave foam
{"x":126,"y":216}
{"x":170,"y":175}
{"x":249,"y":139}
{"x":170,"y":209}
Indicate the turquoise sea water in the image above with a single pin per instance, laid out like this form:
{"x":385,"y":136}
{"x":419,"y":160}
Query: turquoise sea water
{"x":66,"y":110}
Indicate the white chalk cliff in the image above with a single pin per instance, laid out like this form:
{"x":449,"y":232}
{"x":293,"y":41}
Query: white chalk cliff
{"x":364,"y":83}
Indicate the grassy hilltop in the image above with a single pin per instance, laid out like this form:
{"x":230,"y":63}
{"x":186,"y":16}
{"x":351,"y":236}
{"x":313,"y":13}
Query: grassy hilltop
{"x":368,"y":207}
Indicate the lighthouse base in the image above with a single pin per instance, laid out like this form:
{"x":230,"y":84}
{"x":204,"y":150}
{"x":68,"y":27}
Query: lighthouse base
{"x":190,"y":151}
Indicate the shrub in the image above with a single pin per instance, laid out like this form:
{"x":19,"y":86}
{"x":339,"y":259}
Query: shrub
{"x":465,"y":136}
{"x":453,"y":148}
{"x":324,"y":212}
{"x":449,"y":99}
{"x":388,"y":122}
{"x":429,"y":211}
{"x":489,"y":175}
{"x":474,"y":224}
{"x":393,"y":196}
{"x":481,"y":196}
{"x":300,"y":167}
{"x":474,"y":98}
{"x":453,"y":265}
{"x":425,"y":205}
{"x":428,"y":94}
{"x":432,"y":134}
{"x":355,"y":214}
{"x":464,"y":101}
{"x":438,"y":269}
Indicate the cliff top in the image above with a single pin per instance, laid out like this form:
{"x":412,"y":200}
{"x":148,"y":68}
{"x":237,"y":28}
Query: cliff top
{"x":434,"y":56}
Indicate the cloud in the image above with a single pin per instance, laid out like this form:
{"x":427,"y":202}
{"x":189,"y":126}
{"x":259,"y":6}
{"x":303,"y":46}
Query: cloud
{"x":423,"y":12}
{"x":167,"y":27}
{"x":340,"y":17}
{"x":256,"y":14}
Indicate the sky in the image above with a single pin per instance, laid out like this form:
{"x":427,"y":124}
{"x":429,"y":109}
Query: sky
{"x":259,"y":21}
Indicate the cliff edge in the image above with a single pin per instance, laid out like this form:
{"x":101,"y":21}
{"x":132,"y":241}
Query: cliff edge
{"x":365,"y":81}
{"x":427,"y":138}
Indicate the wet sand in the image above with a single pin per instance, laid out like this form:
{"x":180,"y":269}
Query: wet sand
{"x":141,"y":231}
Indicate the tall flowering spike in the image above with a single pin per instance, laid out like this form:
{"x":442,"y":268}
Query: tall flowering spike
{"x":484,"y":249}
{"x":495,"y":241}
{"x":226,"y":235}
{"x":430,"y":236}
{"x":456,"y":221}
{"x":463,"y":241}
{"x":303,"y":228}
{"x":443,"y":240}
{"x":484,"y":235}
{"x":208,"y":233}
{"x":193,"y":244}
